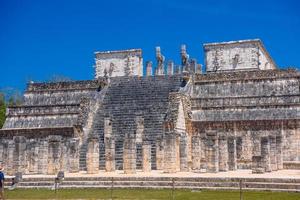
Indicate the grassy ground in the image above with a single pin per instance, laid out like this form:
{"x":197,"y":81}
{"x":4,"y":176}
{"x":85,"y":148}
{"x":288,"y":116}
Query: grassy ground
{"x":146,"y":194}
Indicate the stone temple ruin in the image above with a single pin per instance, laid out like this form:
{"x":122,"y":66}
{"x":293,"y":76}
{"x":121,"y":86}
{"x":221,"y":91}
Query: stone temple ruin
{"x":240,"y":112}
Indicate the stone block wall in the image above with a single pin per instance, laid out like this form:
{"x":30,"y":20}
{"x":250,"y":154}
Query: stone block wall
{"x":119,"y":63}
{"x":237,"y":55}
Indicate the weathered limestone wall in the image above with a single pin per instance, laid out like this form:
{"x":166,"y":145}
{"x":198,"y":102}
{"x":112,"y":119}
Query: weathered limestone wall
{"x":237,"y":55}
{"x":51,"y":105}
{"x":119,"y":63}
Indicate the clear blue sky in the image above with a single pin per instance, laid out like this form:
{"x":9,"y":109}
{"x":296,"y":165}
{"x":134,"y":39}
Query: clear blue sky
{"x":41,"y":38}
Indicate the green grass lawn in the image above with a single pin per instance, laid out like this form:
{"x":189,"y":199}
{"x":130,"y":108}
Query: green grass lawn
{"x":146,"y":194}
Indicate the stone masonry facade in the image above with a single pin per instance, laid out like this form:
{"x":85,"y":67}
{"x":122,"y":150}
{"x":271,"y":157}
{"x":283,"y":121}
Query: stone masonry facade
{"x":240,"y":112}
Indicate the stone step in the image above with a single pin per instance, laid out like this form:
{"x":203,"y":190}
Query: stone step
{"x":169,"y":179}
{"x":163,"y":182}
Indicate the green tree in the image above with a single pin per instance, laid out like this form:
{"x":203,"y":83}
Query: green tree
{"x":2,"y":109}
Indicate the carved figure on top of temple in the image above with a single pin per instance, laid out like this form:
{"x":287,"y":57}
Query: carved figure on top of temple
{"x":160,"y":62}
{"x":184,"y":57}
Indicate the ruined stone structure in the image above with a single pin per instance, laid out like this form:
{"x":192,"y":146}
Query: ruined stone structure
{"x":241,"y":112}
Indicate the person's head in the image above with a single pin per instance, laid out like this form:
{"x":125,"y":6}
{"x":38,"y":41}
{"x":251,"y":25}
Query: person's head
{"x":1,"y":167}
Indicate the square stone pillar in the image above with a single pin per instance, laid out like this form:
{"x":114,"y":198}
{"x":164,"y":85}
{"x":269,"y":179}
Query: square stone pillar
{"x":232,"y":156}
{"x":265,"y":153}
{"x":183,"y":153}
{"x":3,"y":149}
{"x":159,"y":155}
{"x":146,"y":157}
{"x":73,"y":155}
{"x":177,"y":150}
{"x":54,"y":154}
{"x":256,"y":145}
{"x":212,"y":152}
{"x":196,"y":153}
{"x":110,"y":164}
{"x":43,"y":157}
{"x":170,"y":154}
{"x":139,"y":135}
{"x":20,"y":164}
{"x":257,"y":165}
{"x":149,"y":68}
{"x":92,"y":155}
{"x":203,"y":161}
{"x":129,"y":154}
{"x":10,"y":158}
{"x":109,"y":142}
{"x":223,"y":153}
{"x":170,"y":68}
{"x":32,"y":156}
{"x":247,"y":151}
{"x":273,"y":156}
{"x":279,"y":156}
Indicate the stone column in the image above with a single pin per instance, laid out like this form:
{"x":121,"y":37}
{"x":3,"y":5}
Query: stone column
{"x":92,"y":155}
{"x":2,"y":158}
{"x":148,"y":68}
{"x":184,"y":153}
{"x":273,"y":156}
{"x":177,"y":150}
{"x":279,"y":156}
{"x":203,"y":146}
{"x":110,"y":165}
{"x":54,"y":154}
{"x":256,"y":145}
{"x":64,"y":158}
{"x":73,"y":155}
{"x":223,"y":153}
{"x":109,"y":141}
{"x":232,"y":156}
{"x":170,"y":162}
{"x":20,"y":154}
{"x":139,"y":136}
{"x":129,"y":154}
{"x":146,"y":157}
{"x":10,"y":158}
{"x":159,"y":155}
{"x":32,"y":156}
{"x":265,"y":153}
{"x":43,"y":157}
{"x":198,"y":69}
{"x":196,"y":153}
{"x":212,"y":152}
{"x":257,"y":165}
{"x":247,"y":150}
{"x":170,"y":68}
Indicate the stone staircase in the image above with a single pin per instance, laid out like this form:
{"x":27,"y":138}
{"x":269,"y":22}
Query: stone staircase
{"x":89,"y":127}
{"x":267,"y":184}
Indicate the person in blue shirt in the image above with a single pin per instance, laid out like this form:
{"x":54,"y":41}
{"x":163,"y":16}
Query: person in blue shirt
{"x":1,"y":183}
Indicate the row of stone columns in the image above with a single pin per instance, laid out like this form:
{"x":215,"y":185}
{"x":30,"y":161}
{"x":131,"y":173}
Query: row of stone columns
{"x":209,"y":153}
{"x":129,"y":155}
{"x":270,"y":158}
{"x":43,"y":156}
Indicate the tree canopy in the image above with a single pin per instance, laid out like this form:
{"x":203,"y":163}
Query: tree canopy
{"x":2,"y":109}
